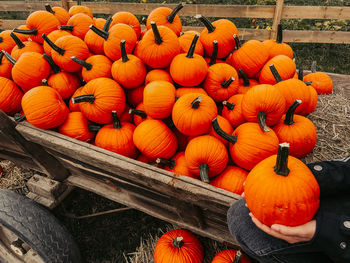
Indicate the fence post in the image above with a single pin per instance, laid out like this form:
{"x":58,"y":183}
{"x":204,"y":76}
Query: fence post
{"x":276,"y":18}
{"x":66,"y":4}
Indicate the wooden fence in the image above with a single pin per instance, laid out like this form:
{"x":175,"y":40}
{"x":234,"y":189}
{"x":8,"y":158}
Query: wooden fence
{"x":278,"y":12}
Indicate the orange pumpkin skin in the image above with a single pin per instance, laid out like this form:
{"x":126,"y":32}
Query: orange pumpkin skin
{"x":80,"y":23}
{"x":284,"y":65}
{"x":5,"y":67}
{"x":138,"y":119}
{"x":157,"y":74}
{"x":244,"y":87}
{"x":60,"y":13}
{"x":75,"y":107}
{"x":76,"y":9}
{"x":312,"y":102}
{"x":65,"y":83}
{"x":143,"y":158}
{"x":276,"y":202}
{"x":221,"y":81}
{"x":231,"y":179}
{"x":228,"y":256}
{"x":126,"y":116}
{"x":10,"y":96}
{"x":275,"y":49}
{"x":128,"y":19}
{"x":232,"y":110}
{"x":77,"y":126}
{"x":185,"y":41}
{"x":190,"y":251}
{"x":185,"y":90}
{"x":95,"y":44}
{"x":322,"y":83}
{"x":158,"y":99}
{"x":194,"y":120}
{"x":155,"y":140}
{"x":225,"y":126}
{"x":101,"y":68}
{"x":53,"y":36}
{"x":30,"y":46}
{"x":6,"y":41}
{"x":22,"y":37}
{"x":180,"y":166}
{"x":135,"y":96}
{"x":44,"y":107}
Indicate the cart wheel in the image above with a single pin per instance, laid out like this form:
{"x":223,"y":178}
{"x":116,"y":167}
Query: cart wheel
{"x":30,"y":233}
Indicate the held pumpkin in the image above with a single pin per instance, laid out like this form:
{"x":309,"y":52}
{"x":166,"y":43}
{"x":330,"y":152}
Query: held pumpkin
{"x":231,"y":179}
{"x":270,"y":190}
{"x":10,"y":96}
{"x":231,"y":256}
{"x":77,"y":126}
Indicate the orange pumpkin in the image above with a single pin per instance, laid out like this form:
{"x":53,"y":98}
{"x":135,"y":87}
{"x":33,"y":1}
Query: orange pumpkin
{"x":185,"y":41}
{"x":157,"y":74}
{"x":6,"y":41}
{"x":95,"y":44}
{"x":53,"y":36}
{"x":75,"y":106}
{"x":213,"y":59}
{"x":244,"y":83}
{"x":135,"y":96}
{"x":5,"y":66}
{"x":232,"y":110}
{"x":77,"y":126}
{"x":284,"y":65}
{"x":22,"y":47}
{"x":76,"y":9}
{"x":231,"y":256}
{"x":128,"y":19}
{"x":176,"y":165}
{"x":60,"y":13}
{"x":78,"y":25}
{"x":10,"y":96}
{"x":312,"y":102}
{"x":139,"y":114}
{"x":277,"y":47}
{"x":321,"y":81}
{"x":225,"y":126}
{"x":231,"y":179}
{"x":185,"y":90}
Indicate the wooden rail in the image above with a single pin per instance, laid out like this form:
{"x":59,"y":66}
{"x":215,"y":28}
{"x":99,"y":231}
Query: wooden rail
{"x":278,"y":12}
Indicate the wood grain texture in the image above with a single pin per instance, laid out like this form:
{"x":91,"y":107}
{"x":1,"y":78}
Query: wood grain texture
{"x":276,"y":18}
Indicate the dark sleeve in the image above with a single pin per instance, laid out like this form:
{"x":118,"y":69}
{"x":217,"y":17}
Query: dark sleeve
{"x":333,"y":177}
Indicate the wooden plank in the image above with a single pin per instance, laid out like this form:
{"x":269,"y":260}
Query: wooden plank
{"x":11,"y":23}
{"x":48,"y":202}
{"x":45,"y":187}
{"x":276,"y":18}
{"x":316,"y":12}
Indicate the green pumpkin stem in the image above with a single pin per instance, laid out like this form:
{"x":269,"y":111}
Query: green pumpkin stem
{"x":78,"y":2}
{"x":49,"y":8}
{"x":59,"y":50}
{"x":178,"y":242}
{"x":279,"y":37}
{"x":308,"y":83}
{"x":245,"y":78}
{"x":140,"y":113}
{"x":196,"y":102}
{"x":288,"y":120}
{"x":56,"y":69}
{"x":18,"y":118}
{"x":238,"y":257}
{"x":107,"y":24}
{"x":214,"y":54}
{"x":9,"y":58}
{"x":313,"y":66}
{"x":94,"y":128}
{"x":281,"y":167}
{"x":228,"y":137}
{"x":167,"y":162}
{"x":204,"y":172}
{"x":236,"y":39}
{"x":206,"y":23}
{"x":192,"y":47}
{"x":228,"y":105}
{"x":123,"y":51}
{"x":26,"y":31}
{"x":301,"y":74}
{"x":172,"y":15}
{"x":157,"y":38}
{"x":18,"y":42}
{"x":226,"y":83}
{"x":1,"y":39}
{"x":66,"y":27}
{"x":84,"y":98}
{"x":44,"y":82}
{"x":99,"y":32}
{"x":116,"y":121}
{"x":262,"y":121}
{"x":1,"y":56}
{"x":81,"y":62}
{"x":275,"y":73}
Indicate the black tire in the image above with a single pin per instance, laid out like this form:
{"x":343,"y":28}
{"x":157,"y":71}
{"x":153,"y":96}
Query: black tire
{"x":37,"y":227}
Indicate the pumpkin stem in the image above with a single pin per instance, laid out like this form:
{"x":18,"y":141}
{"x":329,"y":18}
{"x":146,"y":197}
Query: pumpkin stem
{"x":238,"y":257}
{"x":140,"y":113}
{"x":196,"y":102}
{"x":26,"y":31}
{"x":85,"y":64}
{"x":281,"y":167}
{"x":44,"y":82}
{"x":313,"y":66}
{"x":288,"y":120}
{"x":279,"y":37}
{"x":1,"y":56}
{"x":275,"y":73}
{"x":18,"y":42}
{"x":107,"y":24}
{"x":18,"y":118}
{"x":59,"y":50}
{"x":56,"y":69}
{"x":192,"y":47}
{"x":215,"y":53}
{"x":66,"y":27}
{"x":228,"y":105}
{"x":49,"y":9}
{"x":79,"y":2}
{"x":168,"y":162}
{"x":301,"y":74}
{"x":178,"y":242}
{"x":157,"y":38}
{"x":226,"y":83}
{"x":94,"y":128}
{"x":244,"y":76}
{"x":116,"y":122}
{"x":203,"y":172}
{"x":172,"y":15}
{"x":9,"y":58}
{"x":84,"y":98}
{"x":100,"y":32}
{"x":308,"y":83}
{"x":228,"y":137}
{"x":236,"y":39}
{"x":123,"y":51}
{"x":206,"y":23}
{"x":262,"y":121}
{"x":1,"y":39}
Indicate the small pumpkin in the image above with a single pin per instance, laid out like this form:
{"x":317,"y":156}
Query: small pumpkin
{"x":245,"y":83}
{"x":10,"y":96}
{"x":277,"y":47}
{"x":284,"y":65}
{"x":6,"y":41}
{"x":232,"y":110}
{"x":139,"y":114}
{"x":5,"y":66}
{"x":157,"y":74}
{"x":60,"y":13}
{"x":225,"y":126}
{"x":76,"y":9}
{"x":135,"y":96}
{"x":77,"y":126}
{"x":95,"y":44}
{"x":185,"y":41}
{"x":185,"y":90}
{"x":78,"y":25}
{"x":176,"y":165}
{"x":231,"y":256}
{"x":231,"y":179}
{"x":53,"y":36}
{"x":213,"y":59}
{"x":128,"y":19}
{"x":75,"y":106}
{"x":321,"y":81}
{"x":27,"y":46}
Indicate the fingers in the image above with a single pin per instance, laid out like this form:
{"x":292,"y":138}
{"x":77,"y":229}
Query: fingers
{"x":305,"y":231}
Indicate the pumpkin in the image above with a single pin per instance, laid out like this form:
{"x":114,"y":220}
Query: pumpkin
{"x":231,"y":256}
{"x":245,"y":83}
{"x":53,"y":36}
{"x":321,"y":81}
{"x":60,"y":13}
{"x":176,"y":165}
{"x":155,"y":140}
{"x":98,"y":98}
{"x":185,"y":41}
{"x":76,"y":9}
{"x":277,"y":47}
{"x":129,"y":71}
{"x":66,"y":47}
{"x":6,"y":41}
{"x":221,"y":30}
{"x":139,"y":114}
{"x":232,"y":110}
{"x":225,"y":126}
{"x":117,"y":137}
{"x":270,"y":190}
{"x":38,"y":23}
{"x":95,"y":44}
{"x":75,"y":106}
{"x":77,"y":126}
{"x":158,"y":46}
{"x":27,"y":46}
{"x":221,"y":81}
{"x":128,"y":19}
{"x":10,"y":96}
{"x":185,"y":90}
{"x":178,"y":246}
{"x":312,"y":102}
{"x":264,"y":104}
{"x":206,"y":156}
{"x":231,"y":179}
{"x":158,"y":99}
{"x":157,"y":74}
{"x":5,"y":66}
{"x":189,"y":69}
{"x":135,"y":96}
{"x":44,"y":108}
{"x":28,"y":71}
{"x":22,"y":37}
{"x":249,"y":143}
{"x":143,"y":158}
{"x":193,"y":112}
{"x":213,"y":59}
{"x":78,"y":25}
{"x":97,"y":66}
{"x":284,"y":65}
{"x":298,"y":131}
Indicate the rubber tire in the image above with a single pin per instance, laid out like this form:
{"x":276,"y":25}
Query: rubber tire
{"x":37,"y":227}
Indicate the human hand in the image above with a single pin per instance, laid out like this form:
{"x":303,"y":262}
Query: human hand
{"x":290,"y":234}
